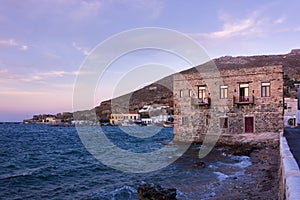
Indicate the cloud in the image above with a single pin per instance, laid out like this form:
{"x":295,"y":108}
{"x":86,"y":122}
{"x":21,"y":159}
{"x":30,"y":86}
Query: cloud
{"x":6,"y":75}
{"x":280,"y":20}
{"x":254,"y":24}
{"x":233,"y":27}
{"x":21,"y":93}
{"x":8,"y":43}
{"x":13,"y":43}
{"x":24,"y":47}
{"x":10,"y":77}
{"x":83,"y":50}
{"x":297,"y":29}
{"x":50,"y":74}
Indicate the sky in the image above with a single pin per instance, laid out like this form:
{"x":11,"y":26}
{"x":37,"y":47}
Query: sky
{"x":43,"y":43}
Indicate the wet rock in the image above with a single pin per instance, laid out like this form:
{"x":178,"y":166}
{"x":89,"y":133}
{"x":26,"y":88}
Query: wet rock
{"x":156,"y":192}
{"x":240,"y":149}
{"x":200,"y":164}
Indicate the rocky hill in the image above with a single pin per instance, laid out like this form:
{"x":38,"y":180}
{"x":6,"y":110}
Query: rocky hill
{"x":160,"y":92}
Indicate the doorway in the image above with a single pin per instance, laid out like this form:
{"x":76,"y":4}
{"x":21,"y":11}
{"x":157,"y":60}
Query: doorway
{"x":249,"y":124}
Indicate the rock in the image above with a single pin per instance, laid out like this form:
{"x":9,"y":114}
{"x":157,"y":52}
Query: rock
{"x":200,"y":164}
{"x":155,"y":192}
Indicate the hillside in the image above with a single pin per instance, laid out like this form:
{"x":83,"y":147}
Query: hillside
{"x":156,"y":93}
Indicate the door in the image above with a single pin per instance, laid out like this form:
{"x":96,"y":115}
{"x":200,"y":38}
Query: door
{"x":249,"y":124}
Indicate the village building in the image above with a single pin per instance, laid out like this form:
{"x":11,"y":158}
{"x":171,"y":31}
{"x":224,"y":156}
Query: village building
{"x":147,"y":121}
{"x":51,"y":120}
{"x":290,"y":111}
{"x":119,"y":119}
{"x":228,"y":101}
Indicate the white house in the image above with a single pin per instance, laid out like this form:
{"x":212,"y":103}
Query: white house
{"x":147,"y":121}
{"x":290,"y":111}
{"x":146,"y":109}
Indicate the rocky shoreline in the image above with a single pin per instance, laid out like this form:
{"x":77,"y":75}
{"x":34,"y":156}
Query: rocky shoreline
{"x":260,"y":180}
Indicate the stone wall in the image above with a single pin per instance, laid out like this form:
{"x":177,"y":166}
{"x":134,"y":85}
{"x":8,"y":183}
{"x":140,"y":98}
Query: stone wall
{"x":193,"y":119}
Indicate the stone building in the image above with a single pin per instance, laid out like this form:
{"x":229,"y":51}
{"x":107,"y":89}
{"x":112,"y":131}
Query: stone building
{"x":227,"y":101}
{"x":124,"y":118}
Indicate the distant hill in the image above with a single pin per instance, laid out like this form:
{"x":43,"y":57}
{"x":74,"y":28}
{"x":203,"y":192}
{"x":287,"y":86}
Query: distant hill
{"x":156,"y":93}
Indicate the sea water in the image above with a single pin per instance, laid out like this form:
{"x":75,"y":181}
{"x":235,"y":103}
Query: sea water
{"x":49,"y":162}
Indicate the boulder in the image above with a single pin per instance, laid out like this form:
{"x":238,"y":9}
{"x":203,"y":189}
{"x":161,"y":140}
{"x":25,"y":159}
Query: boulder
{"x":156,"y":192}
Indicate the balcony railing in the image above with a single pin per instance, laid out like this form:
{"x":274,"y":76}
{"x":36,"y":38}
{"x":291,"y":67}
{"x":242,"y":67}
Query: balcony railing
{"x":243,"y":99}
{"x":201,"y":101}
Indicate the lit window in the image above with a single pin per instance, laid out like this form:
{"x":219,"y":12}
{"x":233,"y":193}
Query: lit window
{"x":244,"y":92}
{"x":201,"y":92}
{"x":265,"y":89}
{"x":180,"y":93}
{"x":190,"y":93}
{"x":224,"y":92}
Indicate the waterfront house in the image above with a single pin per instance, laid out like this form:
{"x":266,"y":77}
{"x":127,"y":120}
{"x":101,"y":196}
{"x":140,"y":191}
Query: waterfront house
{"x":51,"y":120}
{"x":119,"y":119}
{"x":147,"y":121}
{"x":228,"y":101}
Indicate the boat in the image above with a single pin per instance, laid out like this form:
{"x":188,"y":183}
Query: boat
{"x":168,"y":125}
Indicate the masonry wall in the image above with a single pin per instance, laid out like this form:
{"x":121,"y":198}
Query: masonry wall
{"x":193,"y":120}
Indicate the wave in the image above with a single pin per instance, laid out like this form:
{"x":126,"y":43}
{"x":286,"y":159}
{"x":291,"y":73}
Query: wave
{"x":124,"y":193}
{"x":221,"y":176}
{"x":19,"y":173}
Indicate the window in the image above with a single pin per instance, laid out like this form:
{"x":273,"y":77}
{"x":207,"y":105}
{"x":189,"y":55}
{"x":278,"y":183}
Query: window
{"x":184,"y":120}
{"x":244,"y":92}
{"x":180,"y":93}
{"x":201,"y":92}
{"x":265,"y":89}
{"x":207,"y":120}
{"x":223,"y":122}
{"x":190,"y":93}
{"x":224,"y":92}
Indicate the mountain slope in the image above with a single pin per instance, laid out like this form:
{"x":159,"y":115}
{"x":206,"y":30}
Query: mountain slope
{"x":156,"y":93}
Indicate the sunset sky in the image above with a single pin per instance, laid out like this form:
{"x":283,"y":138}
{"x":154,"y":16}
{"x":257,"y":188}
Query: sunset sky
{"x":44,"y":42}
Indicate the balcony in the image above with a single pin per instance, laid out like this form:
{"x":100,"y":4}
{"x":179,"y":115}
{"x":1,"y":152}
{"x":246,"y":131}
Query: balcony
{"x":201,"y":101}
{"x":243,"y":100}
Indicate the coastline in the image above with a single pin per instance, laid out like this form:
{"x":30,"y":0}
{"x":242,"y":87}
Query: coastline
{"x":253,"y":175}
{"x":261,"y":178}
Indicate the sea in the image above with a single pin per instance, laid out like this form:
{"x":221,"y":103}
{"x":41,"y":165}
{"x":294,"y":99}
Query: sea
{"x":52,"y":162}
